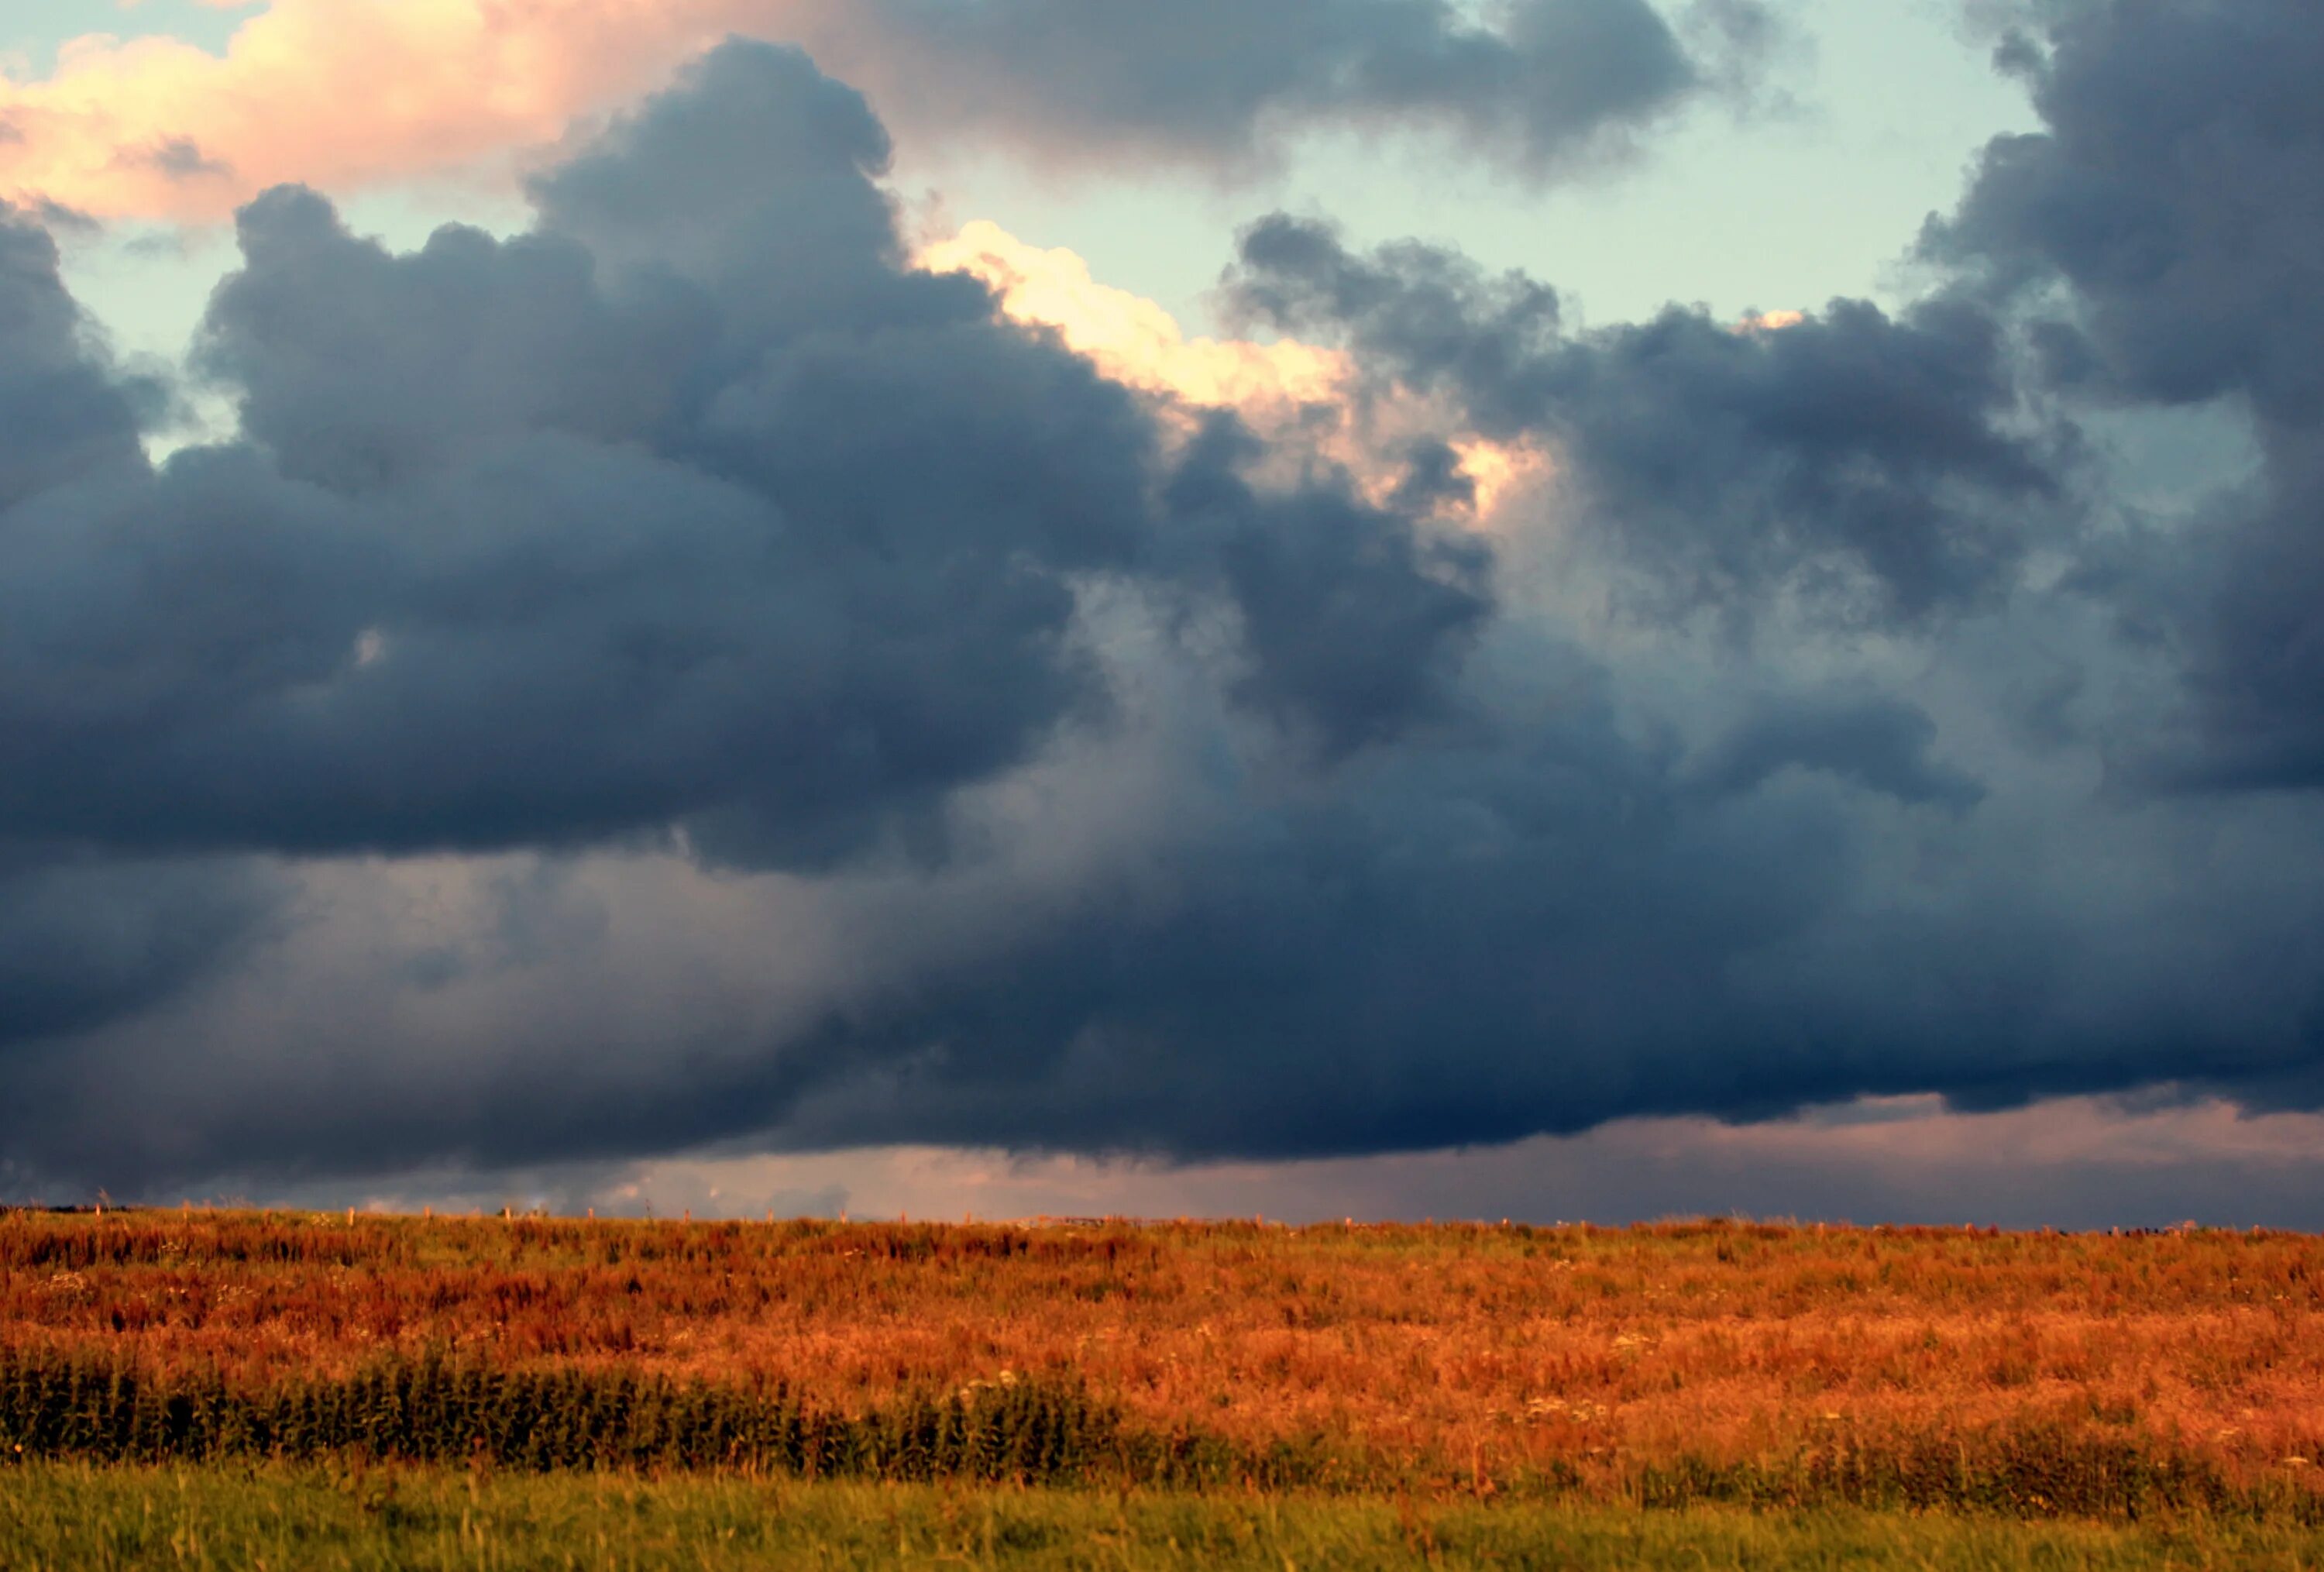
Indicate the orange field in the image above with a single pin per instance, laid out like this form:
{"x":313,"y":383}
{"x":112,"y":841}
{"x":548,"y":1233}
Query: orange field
{"x":1488,"y":1353}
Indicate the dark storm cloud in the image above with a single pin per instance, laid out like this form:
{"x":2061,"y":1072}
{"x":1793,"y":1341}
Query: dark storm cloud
{"x":1220,"y":81}
{"x":1870,"y":460}
{"x":1354,"y":623}
{"x":2165,"y":230}
{"x":83,"y":939}
{"x":1880,"y":743}
{"x":86,"y":940}
{"x":1472,"y":942}
{"x":695,"y":504}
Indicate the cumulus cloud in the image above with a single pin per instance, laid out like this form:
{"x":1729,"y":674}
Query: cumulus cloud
{"x":83,"y":937}
{"x":1875,"y":463}
{"x":67,"y":415}
{"x":684,"y":508}
{"x":1550,"y":83}
{"x":2164,"y":234}
{"x":699,"y":519}
{"x":153,"y":126}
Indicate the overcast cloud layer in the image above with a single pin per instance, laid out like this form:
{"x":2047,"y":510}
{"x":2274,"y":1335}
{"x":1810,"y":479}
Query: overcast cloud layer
{"x":682,"y":675}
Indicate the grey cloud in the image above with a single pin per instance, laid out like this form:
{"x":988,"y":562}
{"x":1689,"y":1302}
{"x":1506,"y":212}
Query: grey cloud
{"x":64,"y":415}
{"x":1479,"y":940}
{"x":2173,"y":189}
{"x":791,"y":155}
{"x":692,"y":512}
{"x":740,"y":522}
{"x":1880,"y":744}
{"x":360,"y":370}
{"x":2165,"y":232}
{"x":182,"y":159}
{"x":58,"y":218}
{"x":1354,"y":623}
{"x":86,"y":940}
{"x":1471,"y":941}
{"x":1551,"y":83}
{"x":1120,"y":795}
{"x":2258,"y":662}
{"x":1872,"y":462}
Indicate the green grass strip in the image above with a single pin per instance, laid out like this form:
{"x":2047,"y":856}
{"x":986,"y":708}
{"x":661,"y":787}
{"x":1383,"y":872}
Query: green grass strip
{"x":55,"y":1517}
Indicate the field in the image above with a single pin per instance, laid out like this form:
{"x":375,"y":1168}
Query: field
{"x":1735,"y":1380}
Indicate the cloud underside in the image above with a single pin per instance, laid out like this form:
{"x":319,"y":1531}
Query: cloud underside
{"x":693,"y":672}
{"x":2073,"y":1163}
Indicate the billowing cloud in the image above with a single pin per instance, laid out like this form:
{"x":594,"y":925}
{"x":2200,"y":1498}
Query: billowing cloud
{"x":1548,"y":83}
{"x":699,"y":521}
{"x":603,"y":529}
{"x":83,"y":937}
{"x":2165,"y":233}
{"x":67,"y":415}
{"x":1876,"y":463}
{"x":687,"y":675}
{"x":154,"y":126}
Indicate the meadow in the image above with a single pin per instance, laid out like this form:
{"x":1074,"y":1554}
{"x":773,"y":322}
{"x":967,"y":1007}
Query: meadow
{"x":1862,"y":1386}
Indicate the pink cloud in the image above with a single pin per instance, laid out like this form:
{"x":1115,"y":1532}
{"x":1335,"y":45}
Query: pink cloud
{"x":345,"y":95}
{"x":339,"y":93}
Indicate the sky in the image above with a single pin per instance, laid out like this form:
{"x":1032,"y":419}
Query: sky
{"x":1568,"y":608}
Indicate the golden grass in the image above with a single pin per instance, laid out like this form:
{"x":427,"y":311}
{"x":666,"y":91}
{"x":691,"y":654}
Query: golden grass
{"x":1505,"y":1349}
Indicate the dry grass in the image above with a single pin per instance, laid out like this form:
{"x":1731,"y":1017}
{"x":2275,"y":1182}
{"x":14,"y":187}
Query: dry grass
{"x":1507,"y":1350}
